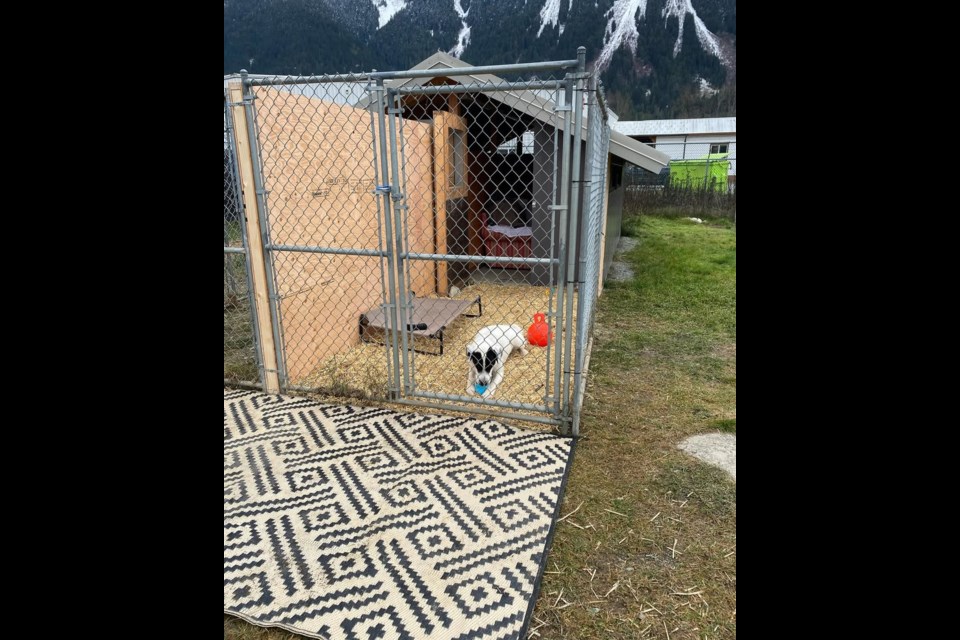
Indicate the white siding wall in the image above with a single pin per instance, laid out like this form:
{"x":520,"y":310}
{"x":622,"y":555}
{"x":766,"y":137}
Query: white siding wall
{"x":697,"y":146}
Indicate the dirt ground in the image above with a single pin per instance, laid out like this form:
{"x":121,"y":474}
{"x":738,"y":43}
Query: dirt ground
{"x":526,"y":378}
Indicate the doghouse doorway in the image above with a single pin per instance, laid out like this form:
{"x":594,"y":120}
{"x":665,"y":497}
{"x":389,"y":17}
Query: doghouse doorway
{"x":451,"y":191}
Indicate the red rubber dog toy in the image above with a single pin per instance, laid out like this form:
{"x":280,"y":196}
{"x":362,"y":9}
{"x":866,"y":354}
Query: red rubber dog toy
{"x":539,"y":333}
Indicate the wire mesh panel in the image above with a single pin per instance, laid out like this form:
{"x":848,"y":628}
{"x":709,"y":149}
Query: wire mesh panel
{"x":595,"y":188}
{"x":489,"y":238}
{"x":240,"y":352}
{"x":594,"y":212}
{"x":318,"y":164}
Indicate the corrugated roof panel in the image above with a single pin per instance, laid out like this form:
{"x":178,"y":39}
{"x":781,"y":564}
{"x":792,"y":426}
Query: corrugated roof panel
{"x":676,"y":127}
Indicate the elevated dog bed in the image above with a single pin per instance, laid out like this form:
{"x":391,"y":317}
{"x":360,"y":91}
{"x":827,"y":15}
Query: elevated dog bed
{"x":506,"y":232}
{"x":430,"y":317}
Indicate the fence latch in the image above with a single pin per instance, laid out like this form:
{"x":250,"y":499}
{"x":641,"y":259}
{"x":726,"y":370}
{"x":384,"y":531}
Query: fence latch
{"x":382,"y":188}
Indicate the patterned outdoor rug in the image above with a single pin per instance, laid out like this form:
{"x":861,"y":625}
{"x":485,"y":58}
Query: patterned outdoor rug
{"x":363,"y":523}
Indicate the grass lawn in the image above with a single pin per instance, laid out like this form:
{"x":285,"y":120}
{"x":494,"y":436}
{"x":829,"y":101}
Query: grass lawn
{"x":651,"y":550}
{"x":239,"y":350}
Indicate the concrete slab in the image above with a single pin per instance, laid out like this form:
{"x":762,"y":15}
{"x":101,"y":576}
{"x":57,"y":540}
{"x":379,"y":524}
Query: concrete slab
{"x":621,"y":271}
{"x":718,"y":449}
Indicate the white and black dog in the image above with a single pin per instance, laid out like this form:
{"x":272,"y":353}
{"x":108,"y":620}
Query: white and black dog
{"x":488,"y":352}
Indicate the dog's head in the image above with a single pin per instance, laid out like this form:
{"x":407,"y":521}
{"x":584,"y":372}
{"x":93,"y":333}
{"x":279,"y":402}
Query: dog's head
{"x":484,"y":364}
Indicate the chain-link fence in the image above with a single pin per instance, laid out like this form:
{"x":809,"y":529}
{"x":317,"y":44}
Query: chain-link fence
{"x":700,"y":180}
{"x":596,"y":187}
{"x":326,"y":230}
{"x":445,"y":204}
{"x":240,"y":351}
{"x":710,"y":166}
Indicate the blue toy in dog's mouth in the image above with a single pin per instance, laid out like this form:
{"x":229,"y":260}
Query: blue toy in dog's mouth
{"x":480,"y":388}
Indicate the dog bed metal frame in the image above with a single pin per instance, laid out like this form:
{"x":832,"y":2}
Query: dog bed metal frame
{"x":430,"y":317}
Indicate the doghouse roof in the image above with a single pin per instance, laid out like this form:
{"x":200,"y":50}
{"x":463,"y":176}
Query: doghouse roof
{"x":532,"y":104}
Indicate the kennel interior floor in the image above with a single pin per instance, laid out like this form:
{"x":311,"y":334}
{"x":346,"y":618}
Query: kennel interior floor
{"x":363,"y":368}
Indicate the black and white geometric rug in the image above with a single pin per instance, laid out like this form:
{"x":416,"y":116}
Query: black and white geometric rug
{"x":361,"y":523}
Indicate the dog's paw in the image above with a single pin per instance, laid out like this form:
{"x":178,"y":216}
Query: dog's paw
{"x":469,"y":389}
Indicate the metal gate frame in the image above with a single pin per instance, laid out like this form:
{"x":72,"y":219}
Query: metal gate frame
{"x":557,"y":390}
{"x":561,"y":403}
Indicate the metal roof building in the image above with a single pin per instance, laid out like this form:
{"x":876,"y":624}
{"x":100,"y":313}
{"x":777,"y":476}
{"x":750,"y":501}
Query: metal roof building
{"x":685,"y":138}
{"x":676,"y":127}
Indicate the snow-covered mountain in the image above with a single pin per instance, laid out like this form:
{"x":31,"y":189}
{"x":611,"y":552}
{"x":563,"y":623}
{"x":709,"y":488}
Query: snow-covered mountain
{"x":657,"y":57}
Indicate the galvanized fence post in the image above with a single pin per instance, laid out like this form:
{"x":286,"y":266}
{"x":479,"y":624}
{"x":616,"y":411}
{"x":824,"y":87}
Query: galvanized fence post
{"x":269,"y":255}
{"x":586,"y":289}
{"x":391,"y":247}
{"x":549,"y":395}
{"x":404,"y":309}
{"x":574,"y":220}
{"x":410,"y":376}
{"x":382,"y":242}
{"x":560,"y":319}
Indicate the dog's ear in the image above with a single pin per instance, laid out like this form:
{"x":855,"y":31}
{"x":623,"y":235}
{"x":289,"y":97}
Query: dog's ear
{"x":477,"y":358}
{"x":492,"y":357}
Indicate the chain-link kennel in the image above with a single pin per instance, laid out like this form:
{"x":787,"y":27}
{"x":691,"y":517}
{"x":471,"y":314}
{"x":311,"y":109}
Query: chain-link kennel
{"x":448,"y":203}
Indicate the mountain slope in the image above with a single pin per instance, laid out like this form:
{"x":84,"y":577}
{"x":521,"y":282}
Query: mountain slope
{"x":658,"y":58}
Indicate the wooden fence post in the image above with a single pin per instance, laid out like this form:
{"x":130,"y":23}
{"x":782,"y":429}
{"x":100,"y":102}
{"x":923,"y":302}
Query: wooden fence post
{"x":255,"y":253}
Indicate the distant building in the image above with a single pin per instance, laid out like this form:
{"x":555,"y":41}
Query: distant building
{"x":687,"y":138}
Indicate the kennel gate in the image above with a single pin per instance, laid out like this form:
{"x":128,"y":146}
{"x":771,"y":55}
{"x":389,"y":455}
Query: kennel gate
{"x":376,"y":189}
